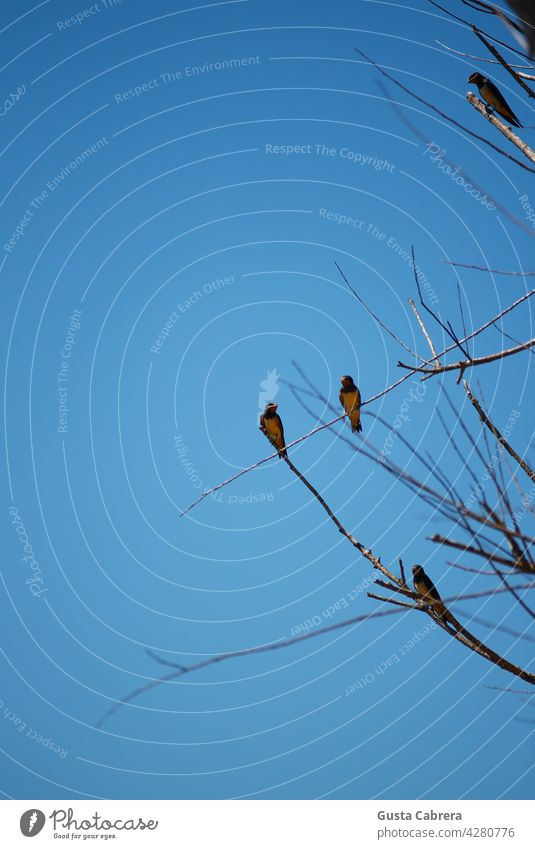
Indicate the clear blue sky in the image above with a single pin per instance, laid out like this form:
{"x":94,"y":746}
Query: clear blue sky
{"x":153,"y":198}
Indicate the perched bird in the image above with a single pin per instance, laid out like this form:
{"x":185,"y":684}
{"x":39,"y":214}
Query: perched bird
{"x":425,"y":586}
{"x":350,"y":401}
{"x":494,"y":98}
{"x":271,"y":425}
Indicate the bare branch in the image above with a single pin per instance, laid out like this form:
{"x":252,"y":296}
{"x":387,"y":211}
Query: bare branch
{"x":502,"y":61}
{"x":521,"y":69}
{"x":494,"y":430}
{"x":519,"y":565}
{"x":469,"y":25}
{"x":376,"y":317}
{"x":493,"y":626}
{"x":480,"y":107}
{"x":495,"y":271}
{"x":464,"y":364}
{"x":460,"y":633}
{"x":394,"y":601}
{"x":447,"y":329}
{"x":366,"y":552}
{"x":208,"y":492}
{"x":219,"y":658}
{"x":180,"y":670}
{"x":424,"y":331}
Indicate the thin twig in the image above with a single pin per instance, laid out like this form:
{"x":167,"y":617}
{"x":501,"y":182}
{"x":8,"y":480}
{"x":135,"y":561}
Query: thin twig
{"x":219,"y":658}
{"x":521,"y":566}
{"x":494,"y":271}
{"x":376,"y":317}
{"x":394,"y":602}
{"x":424,"y":330}
{"x":494,"y":430}
{"x":521,"y":69}
{"x":366,"y":552}
{"x":493,"y":626}
{"x":448,"y":329}
{"x":469,"y":25}
{"x":208,"y":492}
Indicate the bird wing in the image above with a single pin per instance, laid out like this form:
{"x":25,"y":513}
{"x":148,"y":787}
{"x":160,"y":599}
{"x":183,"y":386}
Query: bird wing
{"x":431,"y":590}
{"x":279,"y":422}
{"x":495,"y":98}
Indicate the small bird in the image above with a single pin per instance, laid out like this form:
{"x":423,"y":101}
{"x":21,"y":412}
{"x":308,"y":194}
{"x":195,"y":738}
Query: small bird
{"x":426,"y":588}
{"x":271,"y":425}
{"x":494,"y":98}
{"x":350,"y":401}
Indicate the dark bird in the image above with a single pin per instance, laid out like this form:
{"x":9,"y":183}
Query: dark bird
{"x":350,"y":401}
{"x":271,"y":425}
{"x":494,"y":98}
{"x":426,"y":588}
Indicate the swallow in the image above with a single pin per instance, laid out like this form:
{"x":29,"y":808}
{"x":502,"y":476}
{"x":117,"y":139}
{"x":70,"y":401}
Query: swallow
{"x":494,"y":98}
{"x":426,"y":588}
{"x":350,"y":401}
{"x":271,"y":425}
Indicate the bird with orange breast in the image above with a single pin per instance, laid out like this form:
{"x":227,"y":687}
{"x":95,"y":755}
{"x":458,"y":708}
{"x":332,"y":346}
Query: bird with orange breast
{"x":425,"y":587}
{"x":271,"y":425}
{"x":350,"y":401}
{"x":494,"y":98}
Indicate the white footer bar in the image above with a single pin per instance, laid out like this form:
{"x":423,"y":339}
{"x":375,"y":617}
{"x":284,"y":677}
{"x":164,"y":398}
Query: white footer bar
{"x":269,"y":824}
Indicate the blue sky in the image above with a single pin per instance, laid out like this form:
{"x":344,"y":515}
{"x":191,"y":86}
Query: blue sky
{"x":189,"y":220}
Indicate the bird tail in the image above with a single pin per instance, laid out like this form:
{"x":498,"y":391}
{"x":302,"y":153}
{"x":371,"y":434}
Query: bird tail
{"x":356,"y":428}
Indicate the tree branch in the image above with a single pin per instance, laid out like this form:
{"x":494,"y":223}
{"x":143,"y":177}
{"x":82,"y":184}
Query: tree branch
{"x":424,"y":331}
{"x":179,"y":670}
{"x":462,"y":365}
{"x":502,"y":61}
{"x":494,"y":430}
{"x":480,"y":107}
{"x":495,"y":271}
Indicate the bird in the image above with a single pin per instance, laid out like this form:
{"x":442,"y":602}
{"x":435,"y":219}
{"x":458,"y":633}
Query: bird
{"x":350,"y":401}
{"x":271,"y":425}
{"x":426,"y":588}
{"x":494,"y":98}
